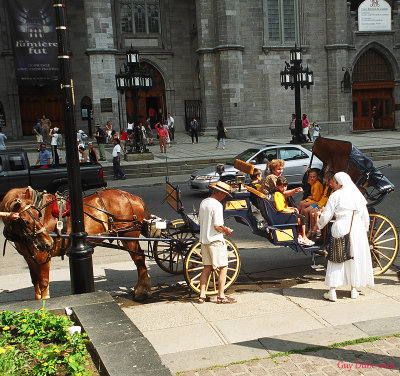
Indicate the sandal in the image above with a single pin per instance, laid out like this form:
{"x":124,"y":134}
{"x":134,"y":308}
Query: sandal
{"x":202,"y":300}
{"x":226,"y":300}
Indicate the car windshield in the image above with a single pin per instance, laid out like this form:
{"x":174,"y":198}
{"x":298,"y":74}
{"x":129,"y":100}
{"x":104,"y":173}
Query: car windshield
{"x":243,"y":156}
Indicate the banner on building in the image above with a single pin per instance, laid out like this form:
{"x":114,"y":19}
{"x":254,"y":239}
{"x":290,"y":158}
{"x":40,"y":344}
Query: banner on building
{"x":34,"y":40}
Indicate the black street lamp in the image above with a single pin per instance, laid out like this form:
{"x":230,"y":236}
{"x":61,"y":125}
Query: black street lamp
{"x":80,"y":253}
{"x":133,"y":78}
{"x":296,"y":77}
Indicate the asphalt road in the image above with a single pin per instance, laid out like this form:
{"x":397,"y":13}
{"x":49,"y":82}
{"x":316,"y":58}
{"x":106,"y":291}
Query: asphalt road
{"x":262,"y":264}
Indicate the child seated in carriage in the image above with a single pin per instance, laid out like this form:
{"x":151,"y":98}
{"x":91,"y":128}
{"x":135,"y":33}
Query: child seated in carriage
{"x":282,"y":206}
{"x":315,"y":196}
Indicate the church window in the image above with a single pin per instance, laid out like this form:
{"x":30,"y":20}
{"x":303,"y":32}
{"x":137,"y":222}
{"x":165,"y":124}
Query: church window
{"x":139,"y":16}
{"x":282,"y":21}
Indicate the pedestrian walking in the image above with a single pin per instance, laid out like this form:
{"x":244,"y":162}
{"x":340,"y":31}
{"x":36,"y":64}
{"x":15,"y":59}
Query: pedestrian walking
{"x":118,"y":173}
{"x":306,"y":132}
{"x":45,"y":123}
{"x":162,"y":137}
{"x":44,"y":156}
{"x":167,"y":139}
{"x":149,"y":132}
{"x":194,"y":127}
{"x":92,"y":153}
{"x":3,"y":139}
{"x":130,"y":127}
{"x":221,"y":134}
{"x":171,"y":127}
{"x":53,"y":134}
{"x":37,"y":131}
{"x":101,"y":140}
{"x":349,"y":207}
{"x":316,"y":130}
{"x":213,"y":246}
{"x":292,"y":126}
{"x":109,"y":129}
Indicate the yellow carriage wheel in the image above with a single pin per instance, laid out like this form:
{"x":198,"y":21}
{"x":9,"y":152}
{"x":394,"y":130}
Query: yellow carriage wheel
{"x":170,"y":255}
{"x":194,"y":265}
{"x":383,"y":241}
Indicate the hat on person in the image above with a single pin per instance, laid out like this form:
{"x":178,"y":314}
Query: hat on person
{"x":80,"y":131}
{"x":56,"y":129}
{"x":222,"y":187}
{"x":90,"y":143}
{"x":98,"y":125}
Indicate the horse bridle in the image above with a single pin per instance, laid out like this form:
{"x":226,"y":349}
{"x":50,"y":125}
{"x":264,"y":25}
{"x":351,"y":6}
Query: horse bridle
{"x":31,"y":235}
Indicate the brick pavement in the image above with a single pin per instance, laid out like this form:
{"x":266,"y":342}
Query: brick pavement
{"x":368,"y":358}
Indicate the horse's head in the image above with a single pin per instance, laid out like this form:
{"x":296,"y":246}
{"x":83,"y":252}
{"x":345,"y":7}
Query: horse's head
{"x":28,"y":230}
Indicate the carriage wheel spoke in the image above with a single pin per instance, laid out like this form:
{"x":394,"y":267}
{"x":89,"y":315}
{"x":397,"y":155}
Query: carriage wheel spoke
{"x":384,"y":241}
{"x":208,"y":281}
{"x":382,"y":254}
{"x":195,"y":269}
{"x":387,"y":248}
{"x":377,"y":260}
{"x":376,"y":232}
{"x":376,"y":239}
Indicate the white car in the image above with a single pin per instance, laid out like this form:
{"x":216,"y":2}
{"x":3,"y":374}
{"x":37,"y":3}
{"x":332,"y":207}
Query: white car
{"x":296,"y":158}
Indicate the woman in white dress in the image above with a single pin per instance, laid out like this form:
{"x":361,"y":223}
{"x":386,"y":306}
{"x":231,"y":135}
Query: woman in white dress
{"x":356,"y":272}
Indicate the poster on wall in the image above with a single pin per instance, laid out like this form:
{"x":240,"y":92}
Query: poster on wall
{"x":374,"y":15}
{"x":34,"y":38}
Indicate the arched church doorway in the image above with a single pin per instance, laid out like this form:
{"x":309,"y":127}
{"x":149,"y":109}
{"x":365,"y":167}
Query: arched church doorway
{"x":373,"y":83}
{"x":150,"y":102}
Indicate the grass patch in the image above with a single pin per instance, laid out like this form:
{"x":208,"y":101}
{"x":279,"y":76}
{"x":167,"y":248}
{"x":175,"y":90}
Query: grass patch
{"x":38,"y":343}
{"x":303,"y":351}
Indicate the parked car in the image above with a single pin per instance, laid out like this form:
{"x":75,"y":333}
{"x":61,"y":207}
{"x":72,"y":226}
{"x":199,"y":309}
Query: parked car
{"x":15,"y":172}
{"x":296,"y":160}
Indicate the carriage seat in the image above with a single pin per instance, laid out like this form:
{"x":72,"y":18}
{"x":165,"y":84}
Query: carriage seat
{"x":273,"y":217}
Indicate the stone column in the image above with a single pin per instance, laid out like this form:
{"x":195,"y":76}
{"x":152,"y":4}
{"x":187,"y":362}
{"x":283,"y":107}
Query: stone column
{"x":229,"y":52}
{"x":101,"y":51}
{"x":208,"y":72}
{"x":338,"y":38}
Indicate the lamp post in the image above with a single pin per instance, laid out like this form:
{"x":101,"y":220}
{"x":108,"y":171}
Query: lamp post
{"x":296,"y":77}
{"x":133,"y":78}
{"x":80,"y":254}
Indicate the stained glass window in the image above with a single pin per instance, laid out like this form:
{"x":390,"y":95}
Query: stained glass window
{"x":140,"y":16}
{"x":281,"y":21}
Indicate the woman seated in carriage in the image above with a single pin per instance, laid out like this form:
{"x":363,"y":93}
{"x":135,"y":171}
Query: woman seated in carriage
{"x":282,"y":206}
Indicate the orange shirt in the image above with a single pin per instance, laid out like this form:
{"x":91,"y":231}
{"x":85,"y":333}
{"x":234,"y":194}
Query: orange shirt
{"x":325,"y":196}
{"x":316,"y":192}
{"x":280,"y":201}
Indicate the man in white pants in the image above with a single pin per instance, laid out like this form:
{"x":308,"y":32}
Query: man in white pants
{"x":213,"y":247}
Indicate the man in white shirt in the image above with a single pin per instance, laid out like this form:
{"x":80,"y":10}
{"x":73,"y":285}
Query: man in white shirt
{"x":171,"y":127}
{"x":213,"y":247}
{"x":118,"y":173}
{"x":53,"y":133}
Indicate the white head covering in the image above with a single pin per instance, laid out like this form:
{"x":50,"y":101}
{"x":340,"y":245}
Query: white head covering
{"x":350,"y":196}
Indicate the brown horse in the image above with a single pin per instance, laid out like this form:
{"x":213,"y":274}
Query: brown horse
{"x":108,"y":212}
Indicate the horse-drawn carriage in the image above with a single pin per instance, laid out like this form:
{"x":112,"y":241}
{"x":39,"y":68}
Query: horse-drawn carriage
{"x":175,"y":248}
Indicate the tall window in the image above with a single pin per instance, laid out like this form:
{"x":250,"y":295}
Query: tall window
{"x":281,"y":19}
{"x":140,"y":16}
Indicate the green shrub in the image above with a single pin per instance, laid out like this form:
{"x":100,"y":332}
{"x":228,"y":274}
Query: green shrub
{"x":38,"y":343}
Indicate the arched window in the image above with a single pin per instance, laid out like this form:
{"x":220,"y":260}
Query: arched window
{"x":372,"y":66}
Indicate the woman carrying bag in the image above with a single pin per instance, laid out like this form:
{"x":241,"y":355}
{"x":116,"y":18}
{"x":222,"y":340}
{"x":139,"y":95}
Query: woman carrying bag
{"x":349,"y":207}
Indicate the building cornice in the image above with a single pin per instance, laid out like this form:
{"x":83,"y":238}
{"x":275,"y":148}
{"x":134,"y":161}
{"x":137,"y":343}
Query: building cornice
{"x":339,"y":46}
{"x":221,"y":47}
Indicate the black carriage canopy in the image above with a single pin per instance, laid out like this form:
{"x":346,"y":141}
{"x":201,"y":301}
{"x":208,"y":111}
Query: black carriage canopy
{"x":344,"y":156}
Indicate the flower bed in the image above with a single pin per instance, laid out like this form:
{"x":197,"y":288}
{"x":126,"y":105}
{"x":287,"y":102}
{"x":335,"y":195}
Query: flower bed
{"x":38,"y":343}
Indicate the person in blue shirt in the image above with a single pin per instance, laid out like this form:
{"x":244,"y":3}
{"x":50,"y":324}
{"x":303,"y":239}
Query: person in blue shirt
{"x":37,"y":131}
{"x":44,"y":156}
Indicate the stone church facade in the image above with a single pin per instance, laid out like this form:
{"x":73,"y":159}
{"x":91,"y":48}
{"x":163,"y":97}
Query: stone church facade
{"x":217,"y":59}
